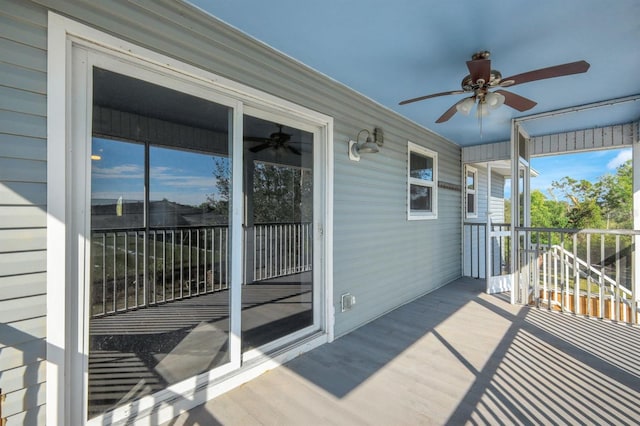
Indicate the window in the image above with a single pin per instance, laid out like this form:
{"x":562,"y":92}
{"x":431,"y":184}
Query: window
{"x":471,"y":184}
{"x":422,"y":183}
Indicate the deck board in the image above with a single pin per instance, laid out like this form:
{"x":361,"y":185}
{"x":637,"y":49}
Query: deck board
{"x":455,"y":356}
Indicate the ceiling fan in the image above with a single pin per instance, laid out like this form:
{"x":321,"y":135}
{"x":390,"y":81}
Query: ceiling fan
{"x":482,"y":78}
{"x":277,"y":140}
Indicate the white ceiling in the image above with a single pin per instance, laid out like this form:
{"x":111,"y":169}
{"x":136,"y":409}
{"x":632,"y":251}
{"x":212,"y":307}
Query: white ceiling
{"x":391,"y":50}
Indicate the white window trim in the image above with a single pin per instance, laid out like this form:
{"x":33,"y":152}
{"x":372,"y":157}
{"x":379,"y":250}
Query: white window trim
{"x":473,"y":191}
{"x":65,"y":215}
{"x":418,"y":149}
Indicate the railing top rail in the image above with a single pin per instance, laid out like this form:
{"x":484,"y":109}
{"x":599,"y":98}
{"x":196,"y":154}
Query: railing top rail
{"x":580,"y":231}
{"x":281,"y":223}
{"x":158,"y":228}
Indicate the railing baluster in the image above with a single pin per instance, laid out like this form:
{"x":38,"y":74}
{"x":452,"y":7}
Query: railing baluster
{"x":115,"y":276}
{"x":173,"y":264}
{"x":601,"y":280}
{"x":104,"y":273}
{"x":617,"y":289}
{"x":589,"y":279}
{"x":126,"y":270}
{"x":164,"y":265}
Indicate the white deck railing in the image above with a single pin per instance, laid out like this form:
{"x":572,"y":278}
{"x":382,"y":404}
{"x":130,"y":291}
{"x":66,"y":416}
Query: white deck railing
{"x":136,"y":268}
{"x":589,"y":272}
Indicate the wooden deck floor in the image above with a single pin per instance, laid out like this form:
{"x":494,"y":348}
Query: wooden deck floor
{"x":456,"y":356}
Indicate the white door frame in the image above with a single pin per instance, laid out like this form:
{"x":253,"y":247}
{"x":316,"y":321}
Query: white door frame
{"x":73,"y":47}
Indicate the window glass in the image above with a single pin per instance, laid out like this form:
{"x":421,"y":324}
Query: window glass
{"x":471,"y":203}
{"x":421,"y":167}
{"x":471,"y":180}
{"x":421,"y":198}
{"x":422,"y":183}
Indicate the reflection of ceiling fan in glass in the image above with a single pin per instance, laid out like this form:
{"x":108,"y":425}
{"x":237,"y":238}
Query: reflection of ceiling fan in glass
{"x":277,"y":141}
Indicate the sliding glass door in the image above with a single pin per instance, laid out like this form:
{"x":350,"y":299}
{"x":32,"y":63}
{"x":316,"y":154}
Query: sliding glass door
{"x":278,"y":290}
{"x":160,"y":307}
{"x":159,"y":273}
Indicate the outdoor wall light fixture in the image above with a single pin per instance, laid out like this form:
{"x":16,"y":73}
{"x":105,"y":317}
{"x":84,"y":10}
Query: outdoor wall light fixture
{"x":369,"y":146}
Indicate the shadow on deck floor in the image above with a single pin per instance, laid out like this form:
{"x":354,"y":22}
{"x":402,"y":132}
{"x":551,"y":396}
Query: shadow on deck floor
{"x":455,"y":356}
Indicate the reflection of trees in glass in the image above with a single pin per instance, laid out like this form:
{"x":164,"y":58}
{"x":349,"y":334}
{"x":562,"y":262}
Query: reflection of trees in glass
{"x":218,"y":202}
{"x":281,"y":193}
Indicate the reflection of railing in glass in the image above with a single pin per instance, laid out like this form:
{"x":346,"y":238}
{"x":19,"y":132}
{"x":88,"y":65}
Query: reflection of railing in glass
{"x":281,"y":249}
{"x":181,"y":262}
{"x":185,"y":262}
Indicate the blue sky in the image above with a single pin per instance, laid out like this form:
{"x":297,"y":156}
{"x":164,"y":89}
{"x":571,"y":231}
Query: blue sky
{"x":588,"y":166}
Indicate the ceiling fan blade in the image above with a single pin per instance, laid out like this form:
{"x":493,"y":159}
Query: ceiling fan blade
{"x":516,"y":101}
{"x":434,"y":95}
{"x":480,"y":68}
{"x":550,"y":72}
{"x":260,"y":147}
{"x":294,"y":150}
{"x":450,"y":112}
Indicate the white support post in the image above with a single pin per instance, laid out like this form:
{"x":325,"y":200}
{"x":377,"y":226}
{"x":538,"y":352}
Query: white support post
{"x":515,"y":213}
{"x":636,"y":221}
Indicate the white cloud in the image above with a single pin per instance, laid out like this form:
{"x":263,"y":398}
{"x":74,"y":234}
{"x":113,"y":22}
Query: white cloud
{"x":622,"y":157}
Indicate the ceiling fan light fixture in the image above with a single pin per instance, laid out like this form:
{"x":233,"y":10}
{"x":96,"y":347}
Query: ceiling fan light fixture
{"x":465,"y":106}
{"x":494,"y":100}
{"x":482,"y":110}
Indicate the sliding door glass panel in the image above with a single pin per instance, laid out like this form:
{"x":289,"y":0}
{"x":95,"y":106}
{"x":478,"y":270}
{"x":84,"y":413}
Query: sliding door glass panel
{"x":158,"y":283}
{"x":277,"y":295}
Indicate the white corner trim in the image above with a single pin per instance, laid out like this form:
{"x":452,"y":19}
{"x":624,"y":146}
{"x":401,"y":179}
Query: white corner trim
{"x":57,"y":316}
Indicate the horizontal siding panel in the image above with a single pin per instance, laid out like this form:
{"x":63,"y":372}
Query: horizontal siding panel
{"x":23,"y":193}
{"x":22,"y":55}
{"x":23,"y":376}
{"x":22,"y":239}
{"x":29,"y":307}
{"x":24,"y":399}
{"x":25,"y":11}
{"x":23,"y":354}
{"x":16,"y":123}
{"x":20,"y":332}
{"x":18,"y":30}
{"x":35,"y":416}
{"x":22,"y":262}
{"x":24,"y":79}
{"x":22,"y":217}
{"x":17,"y":170}
{"x":13,"y":287}
{"x":26,"y":148}
{"x":23,"y":101}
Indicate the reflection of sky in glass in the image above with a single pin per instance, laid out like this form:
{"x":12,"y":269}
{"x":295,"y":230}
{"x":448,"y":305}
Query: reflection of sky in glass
{"x":118,"y":173}
{"x":181,"y":176}
{"x":421,"y":167}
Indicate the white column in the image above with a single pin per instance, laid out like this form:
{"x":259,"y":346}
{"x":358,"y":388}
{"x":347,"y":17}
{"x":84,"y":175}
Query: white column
{"x":636,"y":213}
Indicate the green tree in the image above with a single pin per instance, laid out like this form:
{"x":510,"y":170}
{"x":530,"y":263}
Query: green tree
{"x":615,"y":193}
